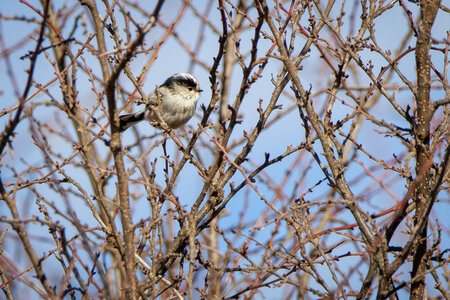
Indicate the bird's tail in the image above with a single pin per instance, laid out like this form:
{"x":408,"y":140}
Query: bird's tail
{"x":126,"y":121}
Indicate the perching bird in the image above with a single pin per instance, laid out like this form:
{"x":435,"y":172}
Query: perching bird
{"x":176,"y":101}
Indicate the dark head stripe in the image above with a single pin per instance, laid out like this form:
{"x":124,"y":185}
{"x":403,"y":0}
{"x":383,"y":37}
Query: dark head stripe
{"x":188,"y":81}
{"x":182,"y":79}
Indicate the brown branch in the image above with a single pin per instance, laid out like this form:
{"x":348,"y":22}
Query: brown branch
{"x":428,"y":12}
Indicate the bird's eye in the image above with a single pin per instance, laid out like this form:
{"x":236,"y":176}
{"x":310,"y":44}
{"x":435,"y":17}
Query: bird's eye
{"x":190,"y":88}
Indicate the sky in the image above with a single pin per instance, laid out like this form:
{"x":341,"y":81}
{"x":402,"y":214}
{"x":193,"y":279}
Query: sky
{"x":173,"y":59}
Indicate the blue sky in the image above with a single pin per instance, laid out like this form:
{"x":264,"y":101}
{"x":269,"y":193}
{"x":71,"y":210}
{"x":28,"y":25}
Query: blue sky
{"x":173,"y":59}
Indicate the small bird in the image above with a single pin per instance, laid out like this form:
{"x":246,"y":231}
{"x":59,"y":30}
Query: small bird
{"x":175,"y":100}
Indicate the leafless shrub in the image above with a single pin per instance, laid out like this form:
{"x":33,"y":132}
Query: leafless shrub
{"x":316,"y":165}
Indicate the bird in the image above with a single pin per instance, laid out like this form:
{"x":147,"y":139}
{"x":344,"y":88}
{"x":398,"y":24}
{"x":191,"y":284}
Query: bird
{"x":176,"y":100}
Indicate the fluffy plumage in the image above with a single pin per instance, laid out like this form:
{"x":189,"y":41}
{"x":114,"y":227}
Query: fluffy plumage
{"x":175,"y":99}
